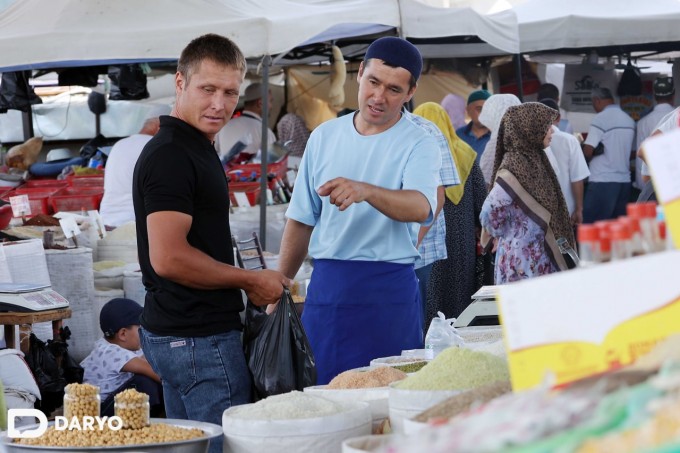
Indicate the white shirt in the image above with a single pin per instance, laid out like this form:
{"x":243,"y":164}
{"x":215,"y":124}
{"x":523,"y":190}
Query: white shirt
{"x":668,"y":123}
{"x":246,"y":128}
{"x":616,"y":130}
{"x":116,"y":207}
{"x":103,"y":367}
{"x":571,"y":164}
{"x":645,"y":127}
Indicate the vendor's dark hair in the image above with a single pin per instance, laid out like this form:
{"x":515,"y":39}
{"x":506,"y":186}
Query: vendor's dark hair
{"x":216,"y":48}
{"x":548,"y":91}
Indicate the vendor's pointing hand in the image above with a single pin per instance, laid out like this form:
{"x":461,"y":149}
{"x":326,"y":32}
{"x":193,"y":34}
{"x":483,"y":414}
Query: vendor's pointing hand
{"x":343,"y":192}
{"x":266,"y":286}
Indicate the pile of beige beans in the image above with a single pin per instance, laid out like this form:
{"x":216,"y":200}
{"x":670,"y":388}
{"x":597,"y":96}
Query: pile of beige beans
{"x":156,"y":433}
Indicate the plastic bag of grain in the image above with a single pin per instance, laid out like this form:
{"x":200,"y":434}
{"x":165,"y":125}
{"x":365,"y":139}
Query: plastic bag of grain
{"x":365,"y":444}
{"x":294,"y":422}
{"x":108,"y":274}
{"x":133,"y":286}
{"x":119,"y":245}
{"x":405,"y":403}
{"x":452,"y":371}
{"x":367,"y":386}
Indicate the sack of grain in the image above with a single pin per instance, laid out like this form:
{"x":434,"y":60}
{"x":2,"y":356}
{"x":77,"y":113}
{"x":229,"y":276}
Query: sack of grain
{"x":365,"y":444}
{"x":406,"y":403}
{"x":294,"y":422}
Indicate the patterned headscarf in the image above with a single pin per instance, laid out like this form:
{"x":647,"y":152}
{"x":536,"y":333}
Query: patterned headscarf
{"x":520,"y":150}
{"x":491,"y":116}
{"x":292,"y":127}
{"x":463,"y":155}
{"x":455,"y":107}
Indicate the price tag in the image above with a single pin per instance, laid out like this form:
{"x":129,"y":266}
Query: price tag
{"x":98,"y":223}
{"x":241,"y":199}
{"x":69,"y":226}
{"x":20,"y":206}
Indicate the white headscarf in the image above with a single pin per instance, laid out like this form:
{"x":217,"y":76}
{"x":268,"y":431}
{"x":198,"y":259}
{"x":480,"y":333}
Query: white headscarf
{"x":492,"y":113}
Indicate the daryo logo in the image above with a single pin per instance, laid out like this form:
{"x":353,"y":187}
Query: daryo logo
{"x":61,"y":423}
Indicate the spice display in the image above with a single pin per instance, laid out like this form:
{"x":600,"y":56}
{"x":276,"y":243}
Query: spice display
{"x":133,"y":408}
{"x":42,"y":220}
{"x":106,"y":437}
{"x":457,"y":404}
{"x":81,"y":400}
{"x":457,"y":368}
{"x":377,"y":377}
{"x":293,"y":405}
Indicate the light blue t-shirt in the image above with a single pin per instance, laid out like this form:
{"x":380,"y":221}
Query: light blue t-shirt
{"x":404,"y":157}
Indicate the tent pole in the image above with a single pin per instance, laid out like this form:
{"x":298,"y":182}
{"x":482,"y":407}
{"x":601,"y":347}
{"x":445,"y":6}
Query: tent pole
{"x":27,"y":122}
{"x":518,"y":76}
{"x":264,"y":148}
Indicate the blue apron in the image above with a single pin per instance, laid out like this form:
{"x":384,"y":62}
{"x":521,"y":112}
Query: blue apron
{"x":356,"y":311}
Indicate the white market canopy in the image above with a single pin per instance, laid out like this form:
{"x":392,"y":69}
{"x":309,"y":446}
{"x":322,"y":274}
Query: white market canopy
{"x":558,"y":24}
{"x":38,"y":34}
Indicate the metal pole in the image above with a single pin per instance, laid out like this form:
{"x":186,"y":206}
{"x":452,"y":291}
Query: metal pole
{"x":264,"y":147}
{"x":27,"y":122}
{"x":518,"y":76}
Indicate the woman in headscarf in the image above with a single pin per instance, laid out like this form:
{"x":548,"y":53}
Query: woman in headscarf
{"x":455,"y":107}
{"x":491,"y":116}
{"x":525,"y":212}
{"x":292,"y":128}
{"x":452,"y":281}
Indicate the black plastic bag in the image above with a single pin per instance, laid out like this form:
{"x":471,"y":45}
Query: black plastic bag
{"x":128,"y":82}
{"x":277,"y":350}
{"x":16,"y":93}
{"x":53,"y":368}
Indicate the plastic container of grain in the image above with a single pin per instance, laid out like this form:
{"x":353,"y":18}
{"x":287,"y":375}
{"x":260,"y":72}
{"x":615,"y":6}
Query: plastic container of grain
{"x":406,"y":403}
{"x":295,"y":422}
{"x":365,"y":444}
{"x":376,"y":398}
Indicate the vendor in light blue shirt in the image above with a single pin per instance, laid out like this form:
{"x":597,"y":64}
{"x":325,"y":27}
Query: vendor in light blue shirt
{"x":367,"y":182}
{"x":475,"y":133}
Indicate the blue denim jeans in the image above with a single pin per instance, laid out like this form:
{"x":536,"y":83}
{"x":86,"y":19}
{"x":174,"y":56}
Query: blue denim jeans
{"x":201,"y":376}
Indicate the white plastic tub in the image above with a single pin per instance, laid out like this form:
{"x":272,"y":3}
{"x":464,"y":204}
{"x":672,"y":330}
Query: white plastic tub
{"x":303,"y":435}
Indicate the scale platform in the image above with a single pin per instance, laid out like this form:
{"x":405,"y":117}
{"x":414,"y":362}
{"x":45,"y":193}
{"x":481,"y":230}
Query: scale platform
{"x":483,"y":311}
{"x":29,"y":297}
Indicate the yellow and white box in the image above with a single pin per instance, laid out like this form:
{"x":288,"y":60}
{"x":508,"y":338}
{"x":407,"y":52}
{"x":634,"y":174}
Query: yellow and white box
{"x":588,"y":321}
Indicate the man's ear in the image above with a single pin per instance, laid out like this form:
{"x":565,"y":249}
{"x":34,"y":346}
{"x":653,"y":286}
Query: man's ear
{"x":361,"y":71}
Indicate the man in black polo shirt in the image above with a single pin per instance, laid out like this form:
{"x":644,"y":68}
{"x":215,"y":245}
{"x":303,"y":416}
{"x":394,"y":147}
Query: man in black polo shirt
{"x":190,"y":324}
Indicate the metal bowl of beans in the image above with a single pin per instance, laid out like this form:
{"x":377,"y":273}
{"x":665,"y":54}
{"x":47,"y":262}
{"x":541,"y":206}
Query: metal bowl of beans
{"x":195,"y":445}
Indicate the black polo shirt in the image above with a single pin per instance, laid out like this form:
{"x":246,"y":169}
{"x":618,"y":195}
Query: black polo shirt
{"x":179,"y":170}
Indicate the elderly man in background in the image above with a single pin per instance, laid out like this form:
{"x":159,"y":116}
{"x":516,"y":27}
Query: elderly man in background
{"x":609,"y":150}
{"x":245,"y":131}
{"x":116,"y":208}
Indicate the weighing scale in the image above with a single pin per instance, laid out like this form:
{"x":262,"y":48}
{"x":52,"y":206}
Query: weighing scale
{"x":483,"y":310}
{"x":27,"y":297}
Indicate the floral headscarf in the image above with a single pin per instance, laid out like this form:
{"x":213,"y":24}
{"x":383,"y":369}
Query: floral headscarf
{"x":291,"y":127}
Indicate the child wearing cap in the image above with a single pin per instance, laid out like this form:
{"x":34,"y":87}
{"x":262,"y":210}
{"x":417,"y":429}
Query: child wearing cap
{"x":117,"y":362}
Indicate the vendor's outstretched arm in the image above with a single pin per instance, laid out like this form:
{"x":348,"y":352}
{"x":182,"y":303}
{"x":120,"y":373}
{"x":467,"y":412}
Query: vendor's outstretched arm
{"x":294,"y":246}
{"x":400,"y":205}
{"x":173,"y":258}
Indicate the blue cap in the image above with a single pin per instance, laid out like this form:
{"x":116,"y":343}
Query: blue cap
{"x":479,"y":95}
{"x":118,"y":313}
{"x":397,"y":52}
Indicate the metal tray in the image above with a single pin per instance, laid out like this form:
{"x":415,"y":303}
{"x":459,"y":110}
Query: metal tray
{"x":199,"y":445}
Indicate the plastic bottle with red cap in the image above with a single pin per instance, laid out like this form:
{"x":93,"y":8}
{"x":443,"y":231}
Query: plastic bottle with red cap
{"x":605,"y":239}
{"x":636,"y":235}
{"x":620,"y":241}
{"x":646,"y":215}
{"x":589,"y":245}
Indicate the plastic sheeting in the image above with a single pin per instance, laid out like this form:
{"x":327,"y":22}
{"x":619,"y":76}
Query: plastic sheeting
{"x":71,"y":274}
